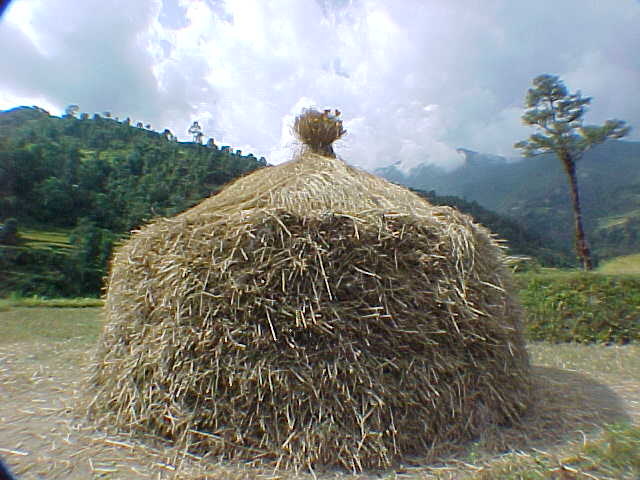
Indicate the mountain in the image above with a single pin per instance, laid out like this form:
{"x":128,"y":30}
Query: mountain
{"x":473,"y":158}
{"x":534,"y":191}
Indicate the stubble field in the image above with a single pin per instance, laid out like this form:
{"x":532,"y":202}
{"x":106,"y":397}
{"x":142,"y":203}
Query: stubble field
{"x":585,"y":422}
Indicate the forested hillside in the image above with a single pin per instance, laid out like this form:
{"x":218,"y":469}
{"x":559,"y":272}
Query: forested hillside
{"x":520,"y":239}
{"x":74,"y":187}
{"x":91,"y":180}
{"x":535,"y":193}
{"x":57,"y":171}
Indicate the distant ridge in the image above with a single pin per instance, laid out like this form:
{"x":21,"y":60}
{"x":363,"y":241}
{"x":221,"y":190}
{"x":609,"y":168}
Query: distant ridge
{"x":474,"y":158}
{"x":534,"y":191}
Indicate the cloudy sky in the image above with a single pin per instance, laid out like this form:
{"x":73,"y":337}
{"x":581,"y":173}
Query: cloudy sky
{"x":415,"y":79}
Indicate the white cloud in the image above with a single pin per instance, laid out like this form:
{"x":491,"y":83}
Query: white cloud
{"x":414,"y":79}
{"x":608,"y":88}
{"x":10,"y":100}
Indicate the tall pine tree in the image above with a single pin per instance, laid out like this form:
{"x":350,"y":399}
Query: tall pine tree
{"x":557,"y":116}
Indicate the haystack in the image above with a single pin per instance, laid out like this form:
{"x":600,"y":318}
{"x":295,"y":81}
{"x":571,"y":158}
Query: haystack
{"x":311,"y":314}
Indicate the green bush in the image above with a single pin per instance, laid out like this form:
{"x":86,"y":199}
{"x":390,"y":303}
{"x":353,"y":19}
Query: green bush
{"x":581,"y":307}
{"x":47,"y":273}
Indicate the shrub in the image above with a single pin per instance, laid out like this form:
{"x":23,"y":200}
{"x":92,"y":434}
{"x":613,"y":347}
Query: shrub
{"x":581,"y":307}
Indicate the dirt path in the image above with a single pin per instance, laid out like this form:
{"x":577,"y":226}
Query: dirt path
{"x":43,"y":435}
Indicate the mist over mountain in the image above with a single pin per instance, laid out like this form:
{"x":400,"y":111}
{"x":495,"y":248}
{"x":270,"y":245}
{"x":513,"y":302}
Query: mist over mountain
{"x":476,"y":158}
{"x":534,"y":191}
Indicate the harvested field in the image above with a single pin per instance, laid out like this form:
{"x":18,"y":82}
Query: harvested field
{"x":44,"y":435}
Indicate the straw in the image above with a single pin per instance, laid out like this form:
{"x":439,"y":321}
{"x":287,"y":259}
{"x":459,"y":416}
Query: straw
{"x":311,"y":314}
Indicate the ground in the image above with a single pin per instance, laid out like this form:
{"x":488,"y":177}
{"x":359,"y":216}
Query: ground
{"x":43,"y":433}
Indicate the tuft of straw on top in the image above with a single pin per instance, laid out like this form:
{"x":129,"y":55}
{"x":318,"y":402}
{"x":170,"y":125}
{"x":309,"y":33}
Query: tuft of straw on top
{"x":318,"y":130}
{"x":311,"y":314}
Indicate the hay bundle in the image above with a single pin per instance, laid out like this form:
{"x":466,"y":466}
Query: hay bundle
{"x":311,"y":314}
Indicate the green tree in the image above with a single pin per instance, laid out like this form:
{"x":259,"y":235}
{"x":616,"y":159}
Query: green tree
{"x":55,"y":202}
{"x":71,"y":110}
{"x":557,"y":115}
{"x":92,"y":247}
{"x":170,"y":137}
{"x":196,"y":130}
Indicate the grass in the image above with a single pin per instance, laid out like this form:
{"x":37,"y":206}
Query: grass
{"x":56,"y":239}
{"x":619,"y":450}
{"x":615,"y":455}
{"x":41,"y":324}
{"x":581,"y":307}
{"x":36,"y":302}
{"x":623,"y":265}
{"x":610,"y":453}
{"x":628,"y":264}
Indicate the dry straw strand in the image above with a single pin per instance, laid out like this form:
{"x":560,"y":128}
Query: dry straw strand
{"x":311,"y":314}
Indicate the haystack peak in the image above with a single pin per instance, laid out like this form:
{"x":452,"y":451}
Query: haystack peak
{"x":318,"y":130}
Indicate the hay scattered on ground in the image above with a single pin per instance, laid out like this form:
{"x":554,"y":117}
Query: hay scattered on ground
{"x":309,"y":315}
{"x":43,"y":435}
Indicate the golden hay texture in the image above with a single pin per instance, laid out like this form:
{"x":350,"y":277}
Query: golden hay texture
{"x":308,"y":315}
{"x":317,"y":131}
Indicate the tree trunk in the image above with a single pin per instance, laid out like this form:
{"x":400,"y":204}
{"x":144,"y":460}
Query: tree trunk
{"x":582,"y":248}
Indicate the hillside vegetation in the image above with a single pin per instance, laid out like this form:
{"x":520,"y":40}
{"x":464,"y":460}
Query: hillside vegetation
{"x":57,"y":171}
{"x":520,"y":239}
{"x":581,"y":307}
{"x":77,"y":185}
